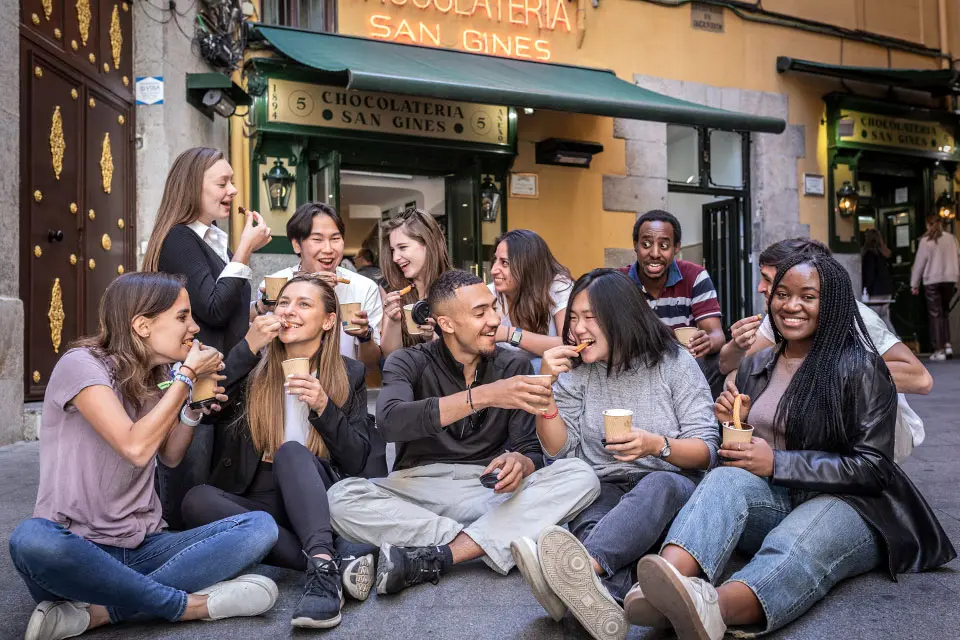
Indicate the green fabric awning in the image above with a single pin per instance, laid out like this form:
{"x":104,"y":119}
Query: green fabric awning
{"x":939,"y":82}
{"x":372,"y":65}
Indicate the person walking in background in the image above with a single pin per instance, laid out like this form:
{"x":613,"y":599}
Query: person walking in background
{"x":532,"y":290}
{"x":367,"y":265}
{"x":937,"y":266}
{"x":186,"y":240}
{"x":876,"y":276}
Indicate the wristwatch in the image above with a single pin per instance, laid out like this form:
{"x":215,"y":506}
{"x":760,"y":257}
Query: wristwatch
{"x":515,"y":336}
{"x":665,"y":452}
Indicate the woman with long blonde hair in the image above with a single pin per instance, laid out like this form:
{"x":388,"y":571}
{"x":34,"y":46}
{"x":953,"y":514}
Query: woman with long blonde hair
{"x":285,"y":439}
{"x":937,"y":267}
{"x":413,"y":251}
{"x":186,"y":240}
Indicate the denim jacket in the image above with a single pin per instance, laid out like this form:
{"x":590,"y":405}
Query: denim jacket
{"x":865,"y":477}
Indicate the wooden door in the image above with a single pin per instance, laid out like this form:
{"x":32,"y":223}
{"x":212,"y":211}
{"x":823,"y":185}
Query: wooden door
{"x":77,"y":170}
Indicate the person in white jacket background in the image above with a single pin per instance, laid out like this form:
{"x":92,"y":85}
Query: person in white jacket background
{"x":937,"y":266}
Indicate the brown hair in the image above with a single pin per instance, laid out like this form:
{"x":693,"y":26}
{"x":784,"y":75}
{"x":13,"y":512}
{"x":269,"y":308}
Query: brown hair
{"x":937,"y":231}
{"x":180,"y":203}
{"x":534,"y":269}
{"x":129,"y":296}
{"x":265,"y":391}
{"x":423,"y":228}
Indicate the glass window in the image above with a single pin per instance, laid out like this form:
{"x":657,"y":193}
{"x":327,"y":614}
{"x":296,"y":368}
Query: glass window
{"x":303,"y":14}
{"x":726,"y":159}
{"x":683,"y":150}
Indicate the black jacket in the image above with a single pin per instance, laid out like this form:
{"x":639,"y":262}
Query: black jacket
{"x":346,"y":432}
{"x":875,"y":271}
{"x":408,"y":409}
{"x":866,"y":478}
{"x":221,"y":308}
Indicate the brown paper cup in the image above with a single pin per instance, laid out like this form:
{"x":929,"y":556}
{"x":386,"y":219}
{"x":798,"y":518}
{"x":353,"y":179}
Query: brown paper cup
{"x":273,"y":285}
{"x":684,"y":334}
{"x":203,"y":392}
{"x":295,"y":366}
{"x":547,"y":370}
{"x":617,"y":422}
{"x":732,"y":434}
{"x":412,"y":327}
{"x":347,"y":313}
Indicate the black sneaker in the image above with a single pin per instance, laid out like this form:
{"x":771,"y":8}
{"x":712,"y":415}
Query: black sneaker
{"x":319,"y":607}
{"x":357,"y":576}
{"x":402,"y":567}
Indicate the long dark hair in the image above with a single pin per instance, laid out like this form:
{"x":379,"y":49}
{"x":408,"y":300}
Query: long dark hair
{"x":131,"y":295}
{"x":534,"y":268}
{"x":819,"y":408}
{"x":633,"y":331}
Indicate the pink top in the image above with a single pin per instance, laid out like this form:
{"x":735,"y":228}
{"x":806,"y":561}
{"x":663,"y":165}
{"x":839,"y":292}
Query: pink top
{"x":84,"y":484}
{"x":936,"y":260}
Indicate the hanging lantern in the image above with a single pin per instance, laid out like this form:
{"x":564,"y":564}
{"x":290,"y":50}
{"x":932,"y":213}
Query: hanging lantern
{"x":847,"y":198}
{"x":279,"y":181}
{"x":946,"y":206}
{"x":489,"y":200}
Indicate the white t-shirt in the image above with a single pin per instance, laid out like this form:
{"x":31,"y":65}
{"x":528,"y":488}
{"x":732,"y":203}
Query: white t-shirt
{"x":361,"y":289}
{"x":882,"y":337}
{"x":559,"y":298}
{"x":296,"y":418}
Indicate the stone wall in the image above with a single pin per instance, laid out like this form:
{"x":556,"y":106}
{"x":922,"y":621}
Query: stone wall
{"x":774,"y":197}
{"x":11,"y":307}
{"x":164,"y":131}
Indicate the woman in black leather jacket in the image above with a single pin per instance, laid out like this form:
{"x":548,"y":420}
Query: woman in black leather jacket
{"x":815,"y":497}
{"x":285,"y":439}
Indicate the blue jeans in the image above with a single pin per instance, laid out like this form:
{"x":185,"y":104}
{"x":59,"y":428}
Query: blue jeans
{"x":152,"y":580}
{"x":625,"y":522}
{"x":800,"y":549}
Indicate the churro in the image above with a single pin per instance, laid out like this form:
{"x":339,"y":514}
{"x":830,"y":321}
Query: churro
{"x":342,"y":280}
{"x":242,"y":211}
{"x":736,"y":413}
{"x":583,"y":345}
{"x":407,"y":289}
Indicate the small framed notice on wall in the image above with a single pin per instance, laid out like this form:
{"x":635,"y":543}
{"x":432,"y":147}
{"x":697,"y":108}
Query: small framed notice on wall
{"x":813,"y":184}
{"x":524,"y":185}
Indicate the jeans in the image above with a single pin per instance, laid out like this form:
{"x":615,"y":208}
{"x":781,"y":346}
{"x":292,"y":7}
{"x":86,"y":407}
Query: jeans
{"x":430,"y":505}
{"x":938,"y":298}
{"x":151,"y":580}
{"x":627,"y":520}
{"x":294,"y":491}
{"x":174,"y":483}
{"x":800,"y":549}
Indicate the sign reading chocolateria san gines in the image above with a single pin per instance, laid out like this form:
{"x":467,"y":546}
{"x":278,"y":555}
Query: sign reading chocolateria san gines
{"x":871,"y":128}
{"x":337,"y":108}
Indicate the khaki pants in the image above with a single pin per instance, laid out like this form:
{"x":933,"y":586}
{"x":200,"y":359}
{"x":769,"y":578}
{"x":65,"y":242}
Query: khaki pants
{"x":430,"y":505}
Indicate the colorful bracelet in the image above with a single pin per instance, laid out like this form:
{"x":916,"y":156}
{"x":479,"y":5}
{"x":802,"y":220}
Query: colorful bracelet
{"x":552,"y":415}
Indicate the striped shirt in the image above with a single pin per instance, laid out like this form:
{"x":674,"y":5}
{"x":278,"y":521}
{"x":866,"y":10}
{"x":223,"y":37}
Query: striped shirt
{"x":687,"y":298}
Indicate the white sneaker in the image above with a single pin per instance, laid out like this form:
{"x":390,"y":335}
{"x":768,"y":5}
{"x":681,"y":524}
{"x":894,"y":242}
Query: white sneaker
{"x":524,"y":553}
{"x":357,"y":576}
{"x":938,"y":356}
{"x":691,"y":604}
{"x":640,"y":612}
{"x":568,"y":570}
{"x":248,"y":595}
{"x":948,"y":351}
{"x":57,"y":620}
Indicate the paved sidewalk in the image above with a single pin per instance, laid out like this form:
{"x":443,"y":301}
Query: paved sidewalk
{"x":473,"y":603}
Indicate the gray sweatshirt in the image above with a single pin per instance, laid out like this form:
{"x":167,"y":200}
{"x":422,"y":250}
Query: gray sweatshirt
{"x":671,"y":399}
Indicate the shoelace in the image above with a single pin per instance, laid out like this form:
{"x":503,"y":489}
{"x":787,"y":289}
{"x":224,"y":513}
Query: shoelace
{"x":323,"y":578}
{"x":423,"y":564}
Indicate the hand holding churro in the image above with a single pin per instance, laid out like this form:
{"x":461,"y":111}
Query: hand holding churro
{"x":583,"y":345}
{"x":744,"y":332}
{"x":732,"y":406}
{"x":407,"y":289}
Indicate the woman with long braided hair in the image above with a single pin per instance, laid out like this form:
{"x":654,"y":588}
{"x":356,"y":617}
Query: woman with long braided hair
{"x":812,"y":496}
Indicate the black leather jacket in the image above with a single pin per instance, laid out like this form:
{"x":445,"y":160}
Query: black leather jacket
{"x":866,"y":478}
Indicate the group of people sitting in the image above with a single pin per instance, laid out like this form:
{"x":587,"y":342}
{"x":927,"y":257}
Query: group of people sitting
{"x":493,"y":461}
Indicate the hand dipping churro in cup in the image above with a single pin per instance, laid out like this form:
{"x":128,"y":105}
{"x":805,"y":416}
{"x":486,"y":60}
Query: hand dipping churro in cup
{"x":737,"y":431}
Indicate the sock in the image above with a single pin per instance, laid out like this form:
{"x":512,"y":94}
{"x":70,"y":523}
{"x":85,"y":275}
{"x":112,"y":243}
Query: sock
{"x":446,"y":557}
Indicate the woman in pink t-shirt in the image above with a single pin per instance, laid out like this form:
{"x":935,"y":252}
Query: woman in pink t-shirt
{"x":95,"y":551}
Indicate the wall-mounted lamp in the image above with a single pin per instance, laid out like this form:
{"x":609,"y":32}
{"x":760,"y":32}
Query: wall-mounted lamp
{"x":568,"y":153}
{"x":946,"y":206}
{"x":215,"y":93}
{"x":489,"y":200}
{"x":847,"y":198}
{"x":279,"y":181}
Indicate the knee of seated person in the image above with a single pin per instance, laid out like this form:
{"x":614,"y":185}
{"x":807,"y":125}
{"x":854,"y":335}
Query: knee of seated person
{"x":262,"y":526}
{"x":674,"y":485}
{"x":727,"y":480}
{"x":289,"y":452}
{"x":195,"y":504}
{"x":36,"y":542}
{"x":346,"y":491}
{"x":575,"y":470}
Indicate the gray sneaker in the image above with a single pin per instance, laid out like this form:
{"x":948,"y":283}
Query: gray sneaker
{"x":524,"y":553}
{"x":568,"y":570}
{"x":691,"y":604}
{"x":57,"y":620}
{"x":248,"y":595}
{"x":358,"y":576}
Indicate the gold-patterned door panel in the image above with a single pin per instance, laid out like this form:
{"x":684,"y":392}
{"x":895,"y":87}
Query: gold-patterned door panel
{"x":81,"y":32}
{"x":115,"y":57}
{"x":44,"y":17}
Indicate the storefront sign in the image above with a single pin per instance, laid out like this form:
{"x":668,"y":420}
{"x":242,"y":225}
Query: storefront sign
{"x":337,"y":108}
{"x":706,"y":17}
{"x":511,"y":28}
{"x":869,"y":128}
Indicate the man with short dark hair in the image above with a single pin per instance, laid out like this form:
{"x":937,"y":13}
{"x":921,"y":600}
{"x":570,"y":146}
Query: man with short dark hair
{"x":364,"y":260}
{"x":459,"y":408}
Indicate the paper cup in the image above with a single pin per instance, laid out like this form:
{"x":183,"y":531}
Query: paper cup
{"x":617,"y":422}
{"x":203,"y":392}
{"x":732,"y":434}
{"x":347,"y":313}
{"x":295,"y":366}
{"x":547,"y":370}
{"x":273,"y":285}
{"x":412,"y":328}
{"x":684,"y":334}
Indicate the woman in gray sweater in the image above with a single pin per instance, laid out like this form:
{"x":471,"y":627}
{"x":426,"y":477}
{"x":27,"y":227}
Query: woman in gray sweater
{"x":632,"y":362}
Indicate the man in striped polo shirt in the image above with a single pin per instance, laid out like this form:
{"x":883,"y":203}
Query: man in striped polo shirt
{"x":681,"y":293}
